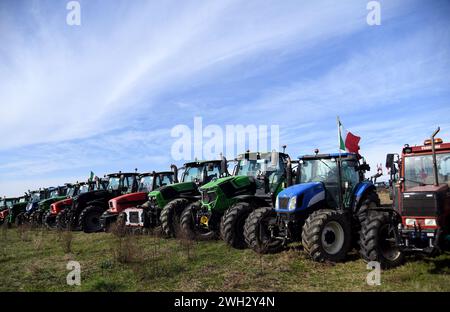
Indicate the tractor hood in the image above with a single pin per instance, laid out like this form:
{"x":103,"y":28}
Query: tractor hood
{"x":237,"y":181}
{"x":122,"y":202}
{"x":49,"y":201}
{"x":300,"y":197}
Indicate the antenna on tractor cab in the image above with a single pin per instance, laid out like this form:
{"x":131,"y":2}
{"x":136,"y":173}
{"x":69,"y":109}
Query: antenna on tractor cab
{"x":433,"y":150}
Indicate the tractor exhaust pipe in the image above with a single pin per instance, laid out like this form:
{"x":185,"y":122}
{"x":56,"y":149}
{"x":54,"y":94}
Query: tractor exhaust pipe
{"x":174,"y":169}
{"x":433,"y":150}
{"x":223,"y":165}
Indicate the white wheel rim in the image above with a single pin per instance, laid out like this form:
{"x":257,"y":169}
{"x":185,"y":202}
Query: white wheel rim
{"x":333,"y":237}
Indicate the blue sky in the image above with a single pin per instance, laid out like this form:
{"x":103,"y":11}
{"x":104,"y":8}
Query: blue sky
{"x":104,"y":96}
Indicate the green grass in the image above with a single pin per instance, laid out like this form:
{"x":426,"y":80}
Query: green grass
{"x":35,"y":260}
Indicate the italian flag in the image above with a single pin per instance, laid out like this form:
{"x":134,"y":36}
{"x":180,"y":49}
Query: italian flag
{"x":348,"y":142}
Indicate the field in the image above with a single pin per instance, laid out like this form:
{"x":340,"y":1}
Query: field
{"x":35,"y":260}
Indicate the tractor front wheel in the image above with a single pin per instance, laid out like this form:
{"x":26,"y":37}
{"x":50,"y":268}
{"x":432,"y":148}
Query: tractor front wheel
{"x":326,"y":235}
{"x":232,"y":225}
{"x":257,"y":231}
{"x":49,"y":220}
{"x":61,"y":220}
{"x":170,"y":216}
{"x":190,"y":228}
{"x":19,"y":219}
{"x":90,"y":219}
{"x":378,"y":241}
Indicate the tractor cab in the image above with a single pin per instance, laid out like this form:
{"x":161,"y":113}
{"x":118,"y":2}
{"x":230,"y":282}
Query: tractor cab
{"x":202,"y":172}
{"x":267,"y":170}
{"x":122,"y":183}
{"x":6,"y":203}
{"x":420,"y":181}
{"x":35,"y":198}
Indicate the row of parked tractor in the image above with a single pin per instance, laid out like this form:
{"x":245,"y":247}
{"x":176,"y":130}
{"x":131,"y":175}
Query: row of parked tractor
{"x":266,"y":202}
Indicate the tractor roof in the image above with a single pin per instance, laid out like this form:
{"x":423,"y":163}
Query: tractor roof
{"x":201,"y":162}
{"x":331,"y":155}
{"x":255,"y":155}
{"x":146,"y":174}
{"x":125,"y":174}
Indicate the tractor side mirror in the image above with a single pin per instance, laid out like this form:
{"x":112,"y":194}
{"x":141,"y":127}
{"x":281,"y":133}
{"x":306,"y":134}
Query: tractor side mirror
{"x":390,"y":160}
{"x":223,"y":166}
{"x":363,"y":167}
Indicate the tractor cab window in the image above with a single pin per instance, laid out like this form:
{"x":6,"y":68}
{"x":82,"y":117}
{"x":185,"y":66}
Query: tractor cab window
{"x":128,"y":183}
{"x":83,"y":189}
{"x":193,"y":174}
{"x":54,"y":193}
{"x":146,"y":184}
{"x":22,"y":200}
{"x":71,"y":191}
{"x":318,"y":170}
{"x":165,"y":179}
{"x":114,"y":183}
{"x":270,"y":169}
{"x":419,"y":170}
{"x":35,"y":197}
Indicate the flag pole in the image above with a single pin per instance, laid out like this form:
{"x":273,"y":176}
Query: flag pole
{"x":340,"y":200}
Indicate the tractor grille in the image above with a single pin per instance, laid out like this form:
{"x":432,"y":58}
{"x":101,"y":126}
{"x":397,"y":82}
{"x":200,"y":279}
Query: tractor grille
{"x":134,"y":217}
{"x":420,"y":204}
{"x":208,"y":197}
{"x":283,"y":202}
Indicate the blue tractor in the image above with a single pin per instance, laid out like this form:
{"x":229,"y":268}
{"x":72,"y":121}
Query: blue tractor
{"x":324,"y":209}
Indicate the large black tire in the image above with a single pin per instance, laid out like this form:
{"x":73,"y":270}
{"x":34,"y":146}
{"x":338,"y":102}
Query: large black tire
{"x":326,"y":235}
{"x":189,"y":228}
{"x":378,"y":241}
{"x":232,"y":225}
{"x":61,"y":220}
{"x":36,"y":218}
{"x":19,"y":219}
{"x":370,"y":201}
{"x":49,"y":220}
{"x":170,"y":216}
{"x":90,"y":219}
{"x":257,"y":234}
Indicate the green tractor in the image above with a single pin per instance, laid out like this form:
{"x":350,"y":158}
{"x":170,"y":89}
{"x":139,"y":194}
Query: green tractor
{"x":226,"y":202}
{"x":5,"y":206}
{"x":9,"y":216}
{"x":165,"y":204}
{"x":55,"y":194}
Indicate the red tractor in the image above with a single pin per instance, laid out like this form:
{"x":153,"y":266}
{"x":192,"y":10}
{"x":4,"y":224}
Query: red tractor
{"x":419,"y":219}
{"x":148,"y":182}
{"x":50,"y":218}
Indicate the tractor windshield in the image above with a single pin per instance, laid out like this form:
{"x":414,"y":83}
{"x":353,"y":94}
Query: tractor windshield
{"x":53,"y":194}
{"x":419,"y":170}
{"x":83,"y":189}
{"x":71,"y":191}
{"x":318,"y":170}
{"x":114,"y":183}
{"x":35,"y":197}
{"x":22,"y":199}
{"x":196,"y":173}
{"x":164,"y":179}
{"x":146,"y":184}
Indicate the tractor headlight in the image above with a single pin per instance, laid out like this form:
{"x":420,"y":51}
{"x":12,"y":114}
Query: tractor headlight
{"x":277,"y":203}
{"x":410,"y":222}
{"x":430,"y":222}
{"x":293,"y":203}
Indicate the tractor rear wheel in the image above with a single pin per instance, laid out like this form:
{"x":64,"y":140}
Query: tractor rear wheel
{"x":170,"y":216}
{"x":378,"y":241}
{"x":370,"y":201}
{"x":257,"y":233}
{"x":49,"y":220}
{"x":232,"y":225}
{"x":61,"y":220}
{"x":90,"y":219}
{"x":326,"y":235}
{"x":189,"y":227}
{"x":36,"y":218}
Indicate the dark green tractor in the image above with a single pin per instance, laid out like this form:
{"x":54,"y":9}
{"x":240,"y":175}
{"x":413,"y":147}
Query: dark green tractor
{"x":165,"y":204}
{"x":9,"y":216}
{"x":226,"y":202}
{"x":5,"y":206}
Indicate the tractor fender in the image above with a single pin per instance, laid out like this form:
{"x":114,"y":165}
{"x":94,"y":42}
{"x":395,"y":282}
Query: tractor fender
{"x":360,"y":192}
{"x":252,"y":199}
{"x":307,"y":194}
